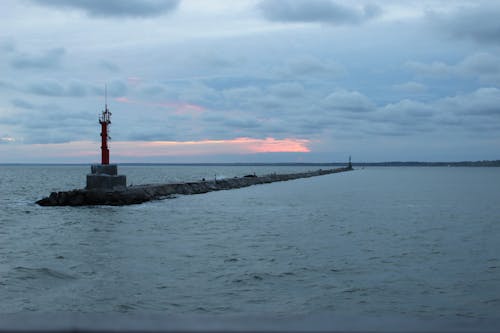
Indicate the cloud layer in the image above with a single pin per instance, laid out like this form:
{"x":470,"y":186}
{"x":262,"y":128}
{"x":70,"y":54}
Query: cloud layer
{"x":326,"y":11}
{"x":478,"y":22}
{"x":114,"y":8}
{"x":47,"y":60}
{"x":251,"y":80}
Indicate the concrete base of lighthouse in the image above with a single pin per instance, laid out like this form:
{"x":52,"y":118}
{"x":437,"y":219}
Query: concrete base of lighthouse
{"x":105,"y":177}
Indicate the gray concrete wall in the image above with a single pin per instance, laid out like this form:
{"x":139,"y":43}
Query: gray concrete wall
{"x":107,"y":169}
{"x":105,"y":177}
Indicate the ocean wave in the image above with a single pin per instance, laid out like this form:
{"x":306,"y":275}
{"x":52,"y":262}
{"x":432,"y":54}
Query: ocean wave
{"x":26,"y":273}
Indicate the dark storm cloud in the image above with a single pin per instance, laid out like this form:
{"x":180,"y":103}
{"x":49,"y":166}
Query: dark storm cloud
{"x":111,"y":67}
{"x":23,"y":104}
{"x":47,"y":60}
{"x":308,"y":66}
{"x":229,"y":123}
{"x":7,"y":46}
{"x":482,"y":66}
{"x":348,"y":101}
{"x":287,"y":90}
{"x":480,"y":23}
{"x":241,"y":123}
{"x":49,"y":123}
{"x":466,"y":112}
{"x":405,"y":116}
{"x":115,"y":88}
{"x":4,"y":84}
{"x":115,"y":8}
{"x":482,"y":102}
{"x":55,"y":89}
{"x":213,"y":59}
{"x":326,"y":11}
{"x":410,"y":87}
{"x":67,"y":132}
{"x":153,"y":90}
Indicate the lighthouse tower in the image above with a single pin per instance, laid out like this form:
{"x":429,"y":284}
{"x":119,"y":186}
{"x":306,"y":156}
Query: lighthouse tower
{"x":105,"y":176}
{"x":105,"y":121}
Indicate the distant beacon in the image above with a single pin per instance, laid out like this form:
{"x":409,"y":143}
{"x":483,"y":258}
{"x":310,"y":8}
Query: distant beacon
{"x":105,"y":176}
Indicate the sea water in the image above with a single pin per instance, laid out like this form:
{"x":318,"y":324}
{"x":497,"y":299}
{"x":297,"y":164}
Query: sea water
{"x":417,"y":242}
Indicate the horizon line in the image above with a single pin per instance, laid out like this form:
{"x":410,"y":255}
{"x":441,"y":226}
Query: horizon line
{"x":364,"y":163}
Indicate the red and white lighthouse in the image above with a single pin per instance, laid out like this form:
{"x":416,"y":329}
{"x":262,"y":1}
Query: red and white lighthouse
{"x":105,"y":121}
{"x":105,"y":176}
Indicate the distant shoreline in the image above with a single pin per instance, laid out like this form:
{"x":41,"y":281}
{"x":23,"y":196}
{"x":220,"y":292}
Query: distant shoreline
{"x":433,"y":164}
{"x":495,"y":163}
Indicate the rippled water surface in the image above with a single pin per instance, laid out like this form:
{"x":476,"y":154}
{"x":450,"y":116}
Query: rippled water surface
{"x":421,"y":242}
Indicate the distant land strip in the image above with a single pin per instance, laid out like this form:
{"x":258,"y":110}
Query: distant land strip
{"x":495,"y":163}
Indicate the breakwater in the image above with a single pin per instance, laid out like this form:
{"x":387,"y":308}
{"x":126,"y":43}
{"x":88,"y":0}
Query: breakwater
{"x":142,"y":193}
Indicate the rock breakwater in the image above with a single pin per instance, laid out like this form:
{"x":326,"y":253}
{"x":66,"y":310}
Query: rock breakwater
{"x":142,"y":193}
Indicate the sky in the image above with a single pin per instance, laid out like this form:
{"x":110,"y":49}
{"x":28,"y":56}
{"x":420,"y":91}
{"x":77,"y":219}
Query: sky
{"x":250,"y":80}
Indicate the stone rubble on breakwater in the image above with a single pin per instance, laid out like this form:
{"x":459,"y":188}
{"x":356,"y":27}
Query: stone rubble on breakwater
{"x":141,"y":193}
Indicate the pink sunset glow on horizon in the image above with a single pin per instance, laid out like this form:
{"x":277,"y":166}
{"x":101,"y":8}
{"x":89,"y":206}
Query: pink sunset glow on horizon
{"x":272,"y":145}
{"x":208,"y":147}
{"x":84,"y":151}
